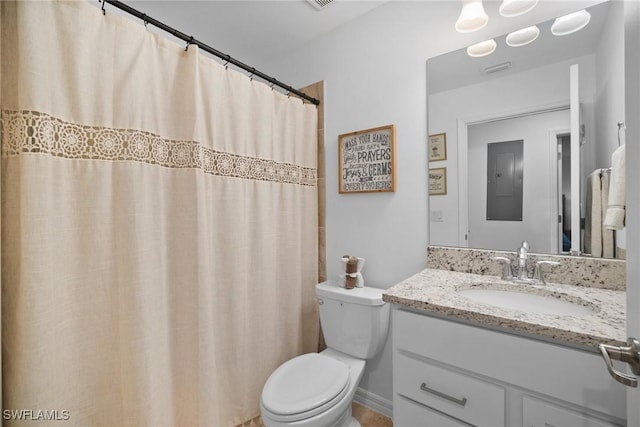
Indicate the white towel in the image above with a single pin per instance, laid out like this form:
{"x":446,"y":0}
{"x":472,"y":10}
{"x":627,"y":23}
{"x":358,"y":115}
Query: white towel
{"x":614,"y":220}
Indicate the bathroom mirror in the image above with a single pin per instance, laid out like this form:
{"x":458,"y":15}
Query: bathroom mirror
{"x":523,"y":93}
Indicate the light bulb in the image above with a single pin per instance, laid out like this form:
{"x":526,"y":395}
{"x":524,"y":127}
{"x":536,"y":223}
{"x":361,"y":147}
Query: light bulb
{"x":570,"y":23}
{"x":472,"y":17}
{"x":523,"y":36}
{"x":510,"y":8}
{"x":482,"y":49}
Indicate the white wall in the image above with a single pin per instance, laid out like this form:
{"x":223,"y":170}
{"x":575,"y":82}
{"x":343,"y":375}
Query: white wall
{"x":610,"y":86}
{"x":375,"y":74}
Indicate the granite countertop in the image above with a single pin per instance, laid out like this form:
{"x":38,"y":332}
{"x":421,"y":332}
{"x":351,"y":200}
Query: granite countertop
{"x":435,"y":292}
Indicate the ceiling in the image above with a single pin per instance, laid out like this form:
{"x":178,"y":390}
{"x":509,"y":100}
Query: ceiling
{"x":254,"y":30}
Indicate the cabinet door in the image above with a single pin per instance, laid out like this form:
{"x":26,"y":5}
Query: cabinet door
{"x":538,"y":413}
{"x":407,"y":413}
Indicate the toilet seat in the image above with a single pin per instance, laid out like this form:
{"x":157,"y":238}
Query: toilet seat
{"x":305,"y":386}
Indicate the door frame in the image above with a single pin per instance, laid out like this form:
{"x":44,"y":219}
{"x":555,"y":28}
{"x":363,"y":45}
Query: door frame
{"x":554,"y":184}
{"x":632,"y":151}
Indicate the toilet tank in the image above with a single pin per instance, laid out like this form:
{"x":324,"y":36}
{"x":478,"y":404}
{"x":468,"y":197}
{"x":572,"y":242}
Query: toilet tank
{"x":354,"y":321}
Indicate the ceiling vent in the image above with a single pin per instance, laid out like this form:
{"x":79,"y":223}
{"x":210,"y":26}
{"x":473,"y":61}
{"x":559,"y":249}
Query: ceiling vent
{"x":320,"y":4}
{"x":498,"y":67}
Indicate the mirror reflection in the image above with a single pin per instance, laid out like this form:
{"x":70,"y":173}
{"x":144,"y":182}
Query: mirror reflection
{"x":522,"y":160}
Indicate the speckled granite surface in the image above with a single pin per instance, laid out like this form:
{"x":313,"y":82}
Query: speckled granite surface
{"x":436,"y":291}
{"x":578,"y":271}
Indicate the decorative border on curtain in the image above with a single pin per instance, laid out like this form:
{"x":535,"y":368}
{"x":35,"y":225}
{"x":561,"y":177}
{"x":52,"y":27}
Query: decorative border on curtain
{"x":35,"y":132}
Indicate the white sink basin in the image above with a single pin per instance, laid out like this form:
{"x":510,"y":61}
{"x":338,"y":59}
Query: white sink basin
{"x":528,"y":302}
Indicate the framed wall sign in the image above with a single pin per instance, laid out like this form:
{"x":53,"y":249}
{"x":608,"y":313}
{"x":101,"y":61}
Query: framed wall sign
{"x":438,"y":182}
{"x":366,"y":160}
{"x":437,"y":147}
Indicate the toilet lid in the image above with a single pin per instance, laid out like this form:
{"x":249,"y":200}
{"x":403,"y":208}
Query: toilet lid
{"x":304,"y":383}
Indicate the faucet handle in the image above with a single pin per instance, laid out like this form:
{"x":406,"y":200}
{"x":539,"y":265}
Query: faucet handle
{"x":507,"y":274}
{"x":538,"y":273}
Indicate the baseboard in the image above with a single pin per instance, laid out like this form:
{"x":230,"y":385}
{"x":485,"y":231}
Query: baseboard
{"x":375,"y":402}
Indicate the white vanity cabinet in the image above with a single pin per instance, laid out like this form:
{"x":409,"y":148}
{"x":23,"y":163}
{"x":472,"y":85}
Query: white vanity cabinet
{"x":448,"y":373}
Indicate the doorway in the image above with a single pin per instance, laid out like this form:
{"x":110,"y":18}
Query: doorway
{"x":538,"y":221}
{"x":563,"y":145}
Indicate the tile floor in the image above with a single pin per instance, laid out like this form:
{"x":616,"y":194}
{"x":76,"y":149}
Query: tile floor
{"x":370,"y":418}
{"x":366,"y":416}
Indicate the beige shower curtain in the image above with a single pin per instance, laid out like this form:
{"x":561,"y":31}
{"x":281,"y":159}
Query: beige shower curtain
{"x":159,"y":225}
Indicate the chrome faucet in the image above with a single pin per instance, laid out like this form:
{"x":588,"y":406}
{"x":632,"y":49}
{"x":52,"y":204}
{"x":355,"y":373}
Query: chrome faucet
{"x":522,"y":254}
{"x":519,"y":273}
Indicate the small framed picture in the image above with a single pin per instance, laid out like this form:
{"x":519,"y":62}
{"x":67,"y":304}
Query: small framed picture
{"x":438,"y":182}
{"x":437,"y":147}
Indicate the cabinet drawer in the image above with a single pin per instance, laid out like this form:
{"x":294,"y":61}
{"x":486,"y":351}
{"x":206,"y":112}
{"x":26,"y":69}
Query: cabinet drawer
{"x":538,"y":413}
{"x":463,"y":397}
{"x":411,"y":414}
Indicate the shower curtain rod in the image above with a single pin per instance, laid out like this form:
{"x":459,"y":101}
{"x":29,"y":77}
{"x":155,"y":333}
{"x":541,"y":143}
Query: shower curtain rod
{"x":190,"y":40}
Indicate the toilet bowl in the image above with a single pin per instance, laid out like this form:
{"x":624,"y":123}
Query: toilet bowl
{"x":316,"y":389}
{"x":312,"y":390}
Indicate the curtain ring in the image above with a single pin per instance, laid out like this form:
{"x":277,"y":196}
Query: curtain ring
{"x":104,"y":12}
{"x":144,"y":21}
{"x":186,"y":48}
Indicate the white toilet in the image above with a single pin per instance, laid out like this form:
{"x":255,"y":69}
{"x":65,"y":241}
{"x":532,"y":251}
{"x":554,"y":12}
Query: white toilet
{"x":316,"y":389}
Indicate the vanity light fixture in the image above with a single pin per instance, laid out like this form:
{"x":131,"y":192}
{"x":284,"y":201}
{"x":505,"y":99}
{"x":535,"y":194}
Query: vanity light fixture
{"x":523,"y":36}
{"x":510,"y":8}
{"x":570,"y":23}
{"x":472,"y":17}
{"x":482,"y":49}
